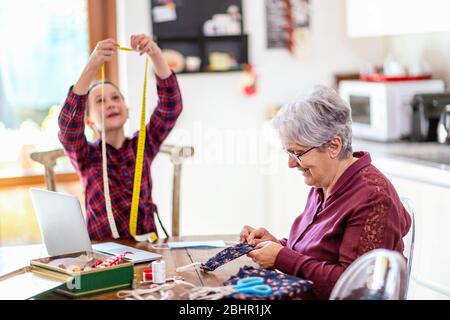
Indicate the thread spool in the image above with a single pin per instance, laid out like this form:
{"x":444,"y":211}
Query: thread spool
{"x":159,"y":271}
{"x":147,"y":275}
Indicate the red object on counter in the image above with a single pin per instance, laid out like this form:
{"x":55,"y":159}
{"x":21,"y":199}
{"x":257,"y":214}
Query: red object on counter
{"x":379,"y":77}
{"x":147,"y":274}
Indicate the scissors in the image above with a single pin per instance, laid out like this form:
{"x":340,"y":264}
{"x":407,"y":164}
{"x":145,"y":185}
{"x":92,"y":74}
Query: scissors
{"x":252,"y":285}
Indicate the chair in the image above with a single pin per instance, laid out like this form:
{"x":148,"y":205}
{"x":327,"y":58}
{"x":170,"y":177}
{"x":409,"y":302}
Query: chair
{"x":408,"y":240}
{"x":379,"y":274}
{"x":177,"y":155}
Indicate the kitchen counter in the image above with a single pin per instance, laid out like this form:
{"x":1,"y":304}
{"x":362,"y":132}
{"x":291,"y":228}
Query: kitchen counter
{"x":427,"y":162}
{"x":431,"y":154}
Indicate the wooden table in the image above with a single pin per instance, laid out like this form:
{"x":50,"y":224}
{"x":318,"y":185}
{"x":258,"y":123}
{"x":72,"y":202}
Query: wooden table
{"x":13,"y":258}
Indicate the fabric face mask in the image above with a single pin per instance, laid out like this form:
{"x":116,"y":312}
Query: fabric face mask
{"x":224,"y":256}
{"x":284,"y":286}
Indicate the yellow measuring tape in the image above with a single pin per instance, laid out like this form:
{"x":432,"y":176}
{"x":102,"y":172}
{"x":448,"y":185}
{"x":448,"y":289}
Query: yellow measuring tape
{"x":138,"y":169}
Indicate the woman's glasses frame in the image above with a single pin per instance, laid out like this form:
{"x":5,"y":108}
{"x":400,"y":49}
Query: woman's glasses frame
{"x":298,"y":156}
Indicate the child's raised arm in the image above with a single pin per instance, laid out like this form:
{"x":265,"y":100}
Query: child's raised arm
{"x":71,"y":120}
{"x":170,"y":103}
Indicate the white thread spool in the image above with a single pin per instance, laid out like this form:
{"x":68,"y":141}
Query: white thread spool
{"x":159,"y":271}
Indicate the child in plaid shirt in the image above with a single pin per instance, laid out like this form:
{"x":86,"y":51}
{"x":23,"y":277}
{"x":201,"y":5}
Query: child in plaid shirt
{"x":84,"y":105}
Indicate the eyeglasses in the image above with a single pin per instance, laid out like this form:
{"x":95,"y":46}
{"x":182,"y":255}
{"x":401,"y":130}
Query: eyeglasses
{"x":297,"y":156}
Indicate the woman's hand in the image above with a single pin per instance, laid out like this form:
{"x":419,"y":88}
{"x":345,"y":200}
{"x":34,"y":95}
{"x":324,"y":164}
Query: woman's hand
{"x":254,"y":236}
{"x":266,"y":254}
{"x":144,"y":44}
{"x":245,"y":232}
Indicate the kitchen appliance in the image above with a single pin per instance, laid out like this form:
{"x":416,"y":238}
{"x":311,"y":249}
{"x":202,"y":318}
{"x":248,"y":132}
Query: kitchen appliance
{"x":444,"y":126}
{"x":381,"y":111}
{"x":429,"y":113}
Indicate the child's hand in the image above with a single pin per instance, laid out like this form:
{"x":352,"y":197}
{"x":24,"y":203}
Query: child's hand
{"x":103,"y":52}
{"x":144,"y":44}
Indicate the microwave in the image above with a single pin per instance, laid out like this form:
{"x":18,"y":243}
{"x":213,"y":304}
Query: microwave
{"x":382,"y":111}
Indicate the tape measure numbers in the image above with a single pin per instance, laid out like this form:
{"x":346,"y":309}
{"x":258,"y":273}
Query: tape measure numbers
{"x":138,"y":168}
{"x":109,"y":213}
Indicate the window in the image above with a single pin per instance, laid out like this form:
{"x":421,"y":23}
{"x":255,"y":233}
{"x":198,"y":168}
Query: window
{"x":45,"y":45}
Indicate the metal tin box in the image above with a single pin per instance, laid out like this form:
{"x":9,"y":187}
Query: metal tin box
{"x":41,"y":277}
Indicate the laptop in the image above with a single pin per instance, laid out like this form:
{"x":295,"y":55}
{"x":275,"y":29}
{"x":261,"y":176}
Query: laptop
{"x":64,"y":230}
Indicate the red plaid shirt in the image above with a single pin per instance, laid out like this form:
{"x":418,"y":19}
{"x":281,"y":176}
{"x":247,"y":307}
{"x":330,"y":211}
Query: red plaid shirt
{"x":86,"y":157}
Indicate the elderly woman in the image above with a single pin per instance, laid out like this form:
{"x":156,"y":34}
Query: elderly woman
{"x":352,"y":207}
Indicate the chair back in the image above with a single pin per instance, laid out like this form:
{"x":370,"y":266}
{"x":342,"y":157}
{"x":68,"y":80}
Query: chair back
{"x":409,"y":239}
{"x":177,"y":155}
{"x":48,"y":160}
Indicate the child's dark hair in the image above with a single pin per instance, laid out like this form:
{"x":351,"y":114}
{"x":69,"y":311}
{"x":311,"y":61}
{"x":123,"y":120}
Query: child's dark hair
{"x":96,"y":84}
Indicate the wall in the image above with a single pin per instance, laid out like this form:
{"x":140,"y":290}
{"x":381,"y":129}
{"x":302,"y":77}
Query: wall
{"x":432,"y":48}
{"x":226,"y":184}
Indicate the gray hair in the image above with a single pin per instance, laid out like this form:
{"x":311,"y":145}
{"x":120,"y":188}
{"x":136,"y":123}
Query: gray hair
{"x":315,"y":119}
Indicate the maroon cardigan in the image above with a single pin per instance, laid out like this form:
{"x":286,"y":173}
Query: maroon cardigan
{"x":362,"y":212}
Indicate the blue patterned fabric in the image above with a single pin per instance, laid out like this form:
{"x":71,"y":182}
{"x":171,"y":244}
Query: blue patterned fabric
{"x":284,"y":286}
{"x":226,"y":255}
